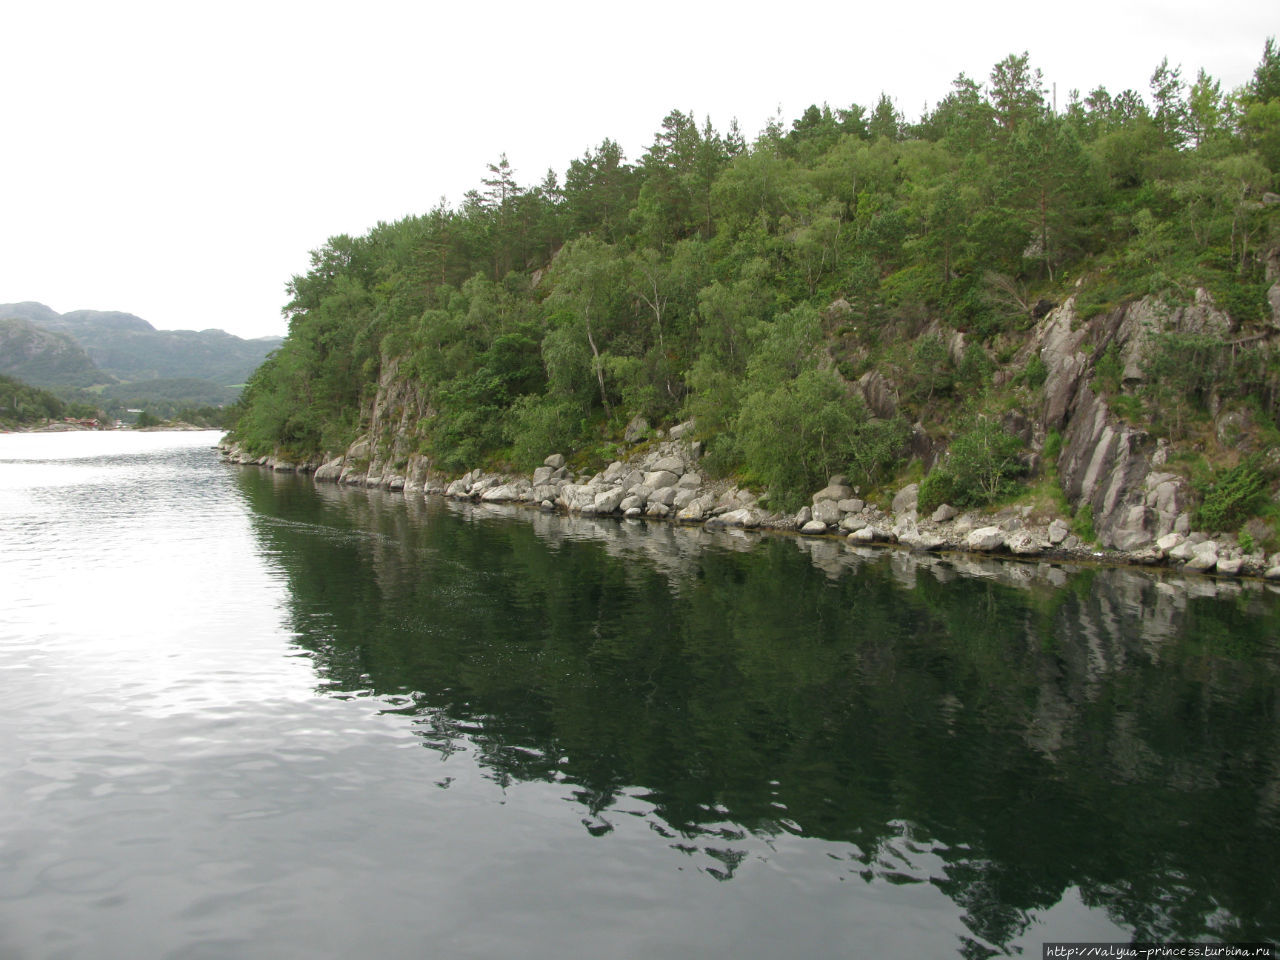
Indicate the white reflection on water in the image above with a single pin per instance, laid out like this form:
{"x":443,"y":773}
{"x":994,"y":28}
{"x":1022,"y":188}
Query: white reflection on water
{"x":172,"y":784}
{"x":128,"y":575}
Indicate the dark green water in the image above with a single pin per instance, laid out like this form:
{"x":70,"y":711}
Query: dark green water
{"x":1012,"y":738}
{"x":248,"y":716}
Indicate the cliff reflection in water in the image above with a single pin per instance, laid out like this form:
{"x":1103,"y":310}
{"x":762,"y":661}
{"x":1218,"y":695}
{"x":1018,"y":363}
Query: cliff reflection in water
{"x":1006,"y":732}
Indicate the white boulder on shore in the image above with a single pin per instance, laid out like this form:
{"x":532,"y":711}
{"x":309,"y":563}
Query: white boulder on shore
{"x":662,"y":483}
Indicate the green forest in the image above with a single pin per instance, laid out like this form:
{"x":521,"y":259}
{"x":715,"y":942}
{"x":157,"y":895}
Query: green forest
{"x":750,"y":285}
{"x":23,"y":405}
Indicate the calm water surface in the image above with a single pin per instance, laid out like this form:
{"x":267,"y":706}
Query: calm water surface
{"x":245,"y":716}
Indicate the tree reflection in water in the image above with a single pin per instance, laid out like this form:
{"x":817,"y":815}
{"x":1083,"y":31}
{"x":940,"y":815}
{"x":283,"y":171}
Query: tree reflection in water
{"x":1007,"y":732}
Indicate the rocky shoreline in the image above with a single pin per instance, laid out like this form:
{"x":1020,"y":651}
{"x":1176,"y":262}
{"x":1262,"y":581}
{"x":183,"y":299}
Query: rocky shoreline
{"x":662,"y":482}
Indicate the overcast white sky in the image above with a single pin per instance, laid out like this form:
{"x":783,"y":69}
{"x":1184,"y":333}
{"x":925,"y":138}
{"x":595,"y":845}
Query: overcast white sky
{"x":178,"y":161}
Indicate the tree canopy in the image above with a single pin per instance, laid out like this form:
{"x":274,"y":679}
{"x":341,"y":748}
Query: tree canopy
{"x":752,"y":284}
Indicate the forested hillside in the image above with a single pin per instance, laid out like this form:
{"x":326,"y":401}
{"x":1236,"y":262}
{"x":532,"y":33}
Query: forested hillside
{"x":129,"y":348}
{"x":45,"y":358}
{"x":23,"y":405}
{"x":855,"y":292}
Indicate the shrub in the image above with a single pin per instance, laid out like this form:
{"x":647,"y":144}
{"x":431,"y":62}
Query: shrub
{"x":1232,"y":496}
{"x":1107,"y":371}
{"x":983,"y":459}
{"x":936,"y":489}
{"x":1082,"y":523}
{"x":1035,"y":373}
{"x":797,"y":434}
{"x":539,"y":425}
{"x":875,"y":448}
{"x":980,"y":467}
{"x":1052,"y":447}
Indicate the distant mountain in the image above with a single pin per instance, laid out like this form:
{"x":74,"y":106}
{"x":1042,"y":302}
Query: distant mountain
{"x":131,"y":349}
{"x":45,"y":358}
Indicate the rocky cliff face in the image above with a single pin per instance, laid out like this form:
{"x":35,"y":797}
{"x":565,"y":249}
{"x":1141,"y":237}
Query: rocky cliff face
{"x":1117,"y":468}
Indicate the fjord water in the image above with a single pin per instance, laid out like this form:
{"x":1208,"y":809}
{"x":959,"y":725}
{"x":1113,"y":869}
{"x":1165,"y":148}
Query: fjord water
{"x":242,"y":715}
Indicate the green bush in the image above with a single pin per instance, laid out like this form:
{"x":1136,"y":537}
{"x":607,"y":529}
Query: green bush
{"x":1232,"y":496}
{"x":540,"y":425}
{"x":875,"y":449}
{"x":1052,"y":447}
{"x":984,"y":459}
{"x":1035,"y":373}
{"x":1082,"y":523}
{"x":980,"y":467}
{"x":796,"y":435}
{"x":1107,"y":371}
{"x":936,"y":489}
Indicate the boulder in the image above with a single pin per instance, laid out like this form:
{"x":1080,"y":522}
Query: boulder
{"x":803,"y":516}
{"x":850,"y":505}
{"x":609,"y":500}
{"x":1230,"y":567}
{"x":690,"y":481}
{"x":1167,"y":497}
{"x":329,"y":472}
{"x":852,"y":522}
{"x":826,"y":511}
{"x":555,"y":461}
{"x":664,"y":495}
{"x":631,"y":501}
{"x":1133,"y":528}
{"x":986,"y":538}
{"x":1058,"y":532}
{"x":1168,"y":542}
{"x":658,"y":510}
{"x":907,"y":498}
{"x":657,"y":479}
{"x":1204,"y":556}
{"x":696,"y":509}
{"x":944,"y":513}
{"x":1025,"y":544}
{"x":542,"y":474}
{"x":633,"y":513}
{"x":740,"y":518}
{"x":814,"y":528}
{"x":502,"y":493}
{"x":670,"y":464}
{"x":863,"y":535}
{"x":879,"y":393}
{"x":635,"y":430}
{"x":917,"y":540}
{"x":680,"y":430}
{"x":684,"y":496}
{"x":833,"y":491}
